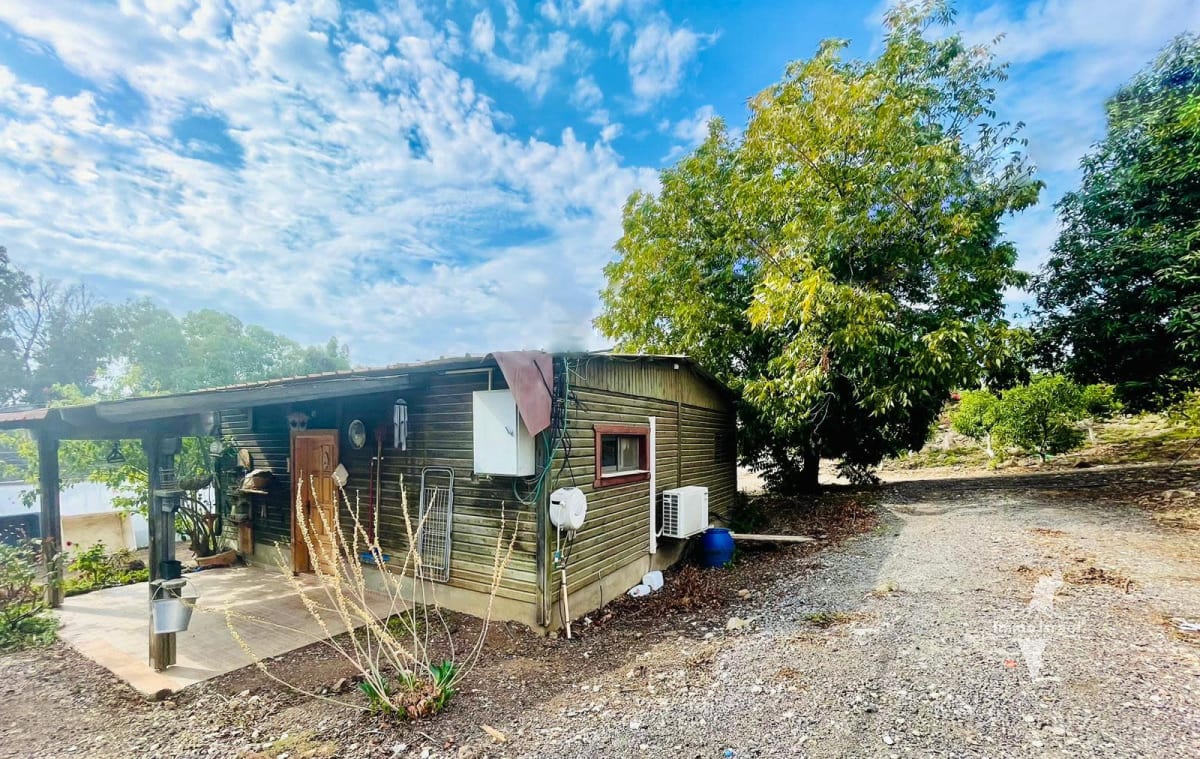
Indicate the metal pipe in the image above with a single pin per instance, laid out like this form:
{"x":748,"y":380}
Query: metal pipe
{"x":652,"y":457}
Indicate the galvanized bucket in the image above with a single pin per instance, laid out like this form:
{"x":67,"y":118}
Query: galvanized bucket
{"x":171,"y":615}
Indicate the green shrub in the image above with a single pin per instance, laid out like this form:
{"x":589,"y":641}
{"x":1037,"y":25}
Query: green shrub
{"x":94,"y":564}
{"x":1099,"y":402}
{"x":1041,"y":417}
{"x":413,"y":695}
{"x":99,"y":569}
{"x":748,"y":514}
{"x":24,"y":619}
{"x":976,"y":417}
{"x":1187,"y":412}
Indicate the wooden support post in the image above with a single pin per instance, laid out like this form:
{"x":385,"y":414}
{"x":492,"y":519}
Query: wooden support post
{"x":162,"y":541}
{"x":51,"y":518}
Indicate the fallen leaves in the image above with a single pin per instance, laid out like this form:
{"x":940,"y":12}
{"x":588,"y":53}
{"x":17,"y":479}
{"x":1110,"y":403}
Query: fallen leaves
{"x":496,"y":735}
{"x":1097,"y":576}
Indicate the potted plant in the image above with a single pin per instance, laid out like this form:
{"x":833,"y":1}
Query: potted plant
{"x":202,"y":525}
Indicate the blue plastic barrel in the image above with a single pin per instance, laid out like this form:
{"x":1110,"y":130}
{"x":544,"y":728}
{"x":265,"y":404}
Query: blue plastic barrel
{"x":716,"y":547}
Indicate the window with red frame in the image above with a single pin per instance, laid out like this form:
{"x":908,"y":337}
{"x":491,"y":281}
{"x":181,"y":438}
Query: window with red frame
{"x":622,"y":454}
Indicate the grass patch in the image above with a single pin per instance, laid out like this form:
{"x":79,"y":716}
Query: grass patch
{"x":31,"y":632}
{"x":932,"y":456}
{"x":827,"y":619}
{"x":1141,"y":439}
{"x":303,"y":744}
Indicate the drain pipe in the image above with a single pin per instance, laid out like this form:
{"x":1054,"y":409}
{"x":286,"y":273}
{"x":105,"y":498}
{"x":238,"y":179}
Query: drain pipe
{"x":652,"y":456}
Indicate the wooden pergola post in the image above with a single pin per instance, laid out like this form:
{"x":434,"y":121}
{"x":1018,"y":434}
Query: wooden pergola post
{"x":50,"y":516}
{"x":159,"y":454}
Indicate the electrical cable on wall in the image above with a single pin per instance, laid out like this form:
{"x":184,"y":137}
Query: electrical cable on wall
{"x":554,"y":439}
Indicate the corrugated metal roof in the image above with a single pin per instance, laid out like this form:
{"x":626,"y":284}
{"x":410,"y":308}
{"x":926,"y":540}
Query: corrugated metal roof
{"x":302,"y":387}
{"x":24,"y":415}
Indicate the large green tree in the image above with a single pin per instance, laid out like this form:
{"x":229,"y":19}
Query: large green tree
{"x":1119,"y":298}
{"x":59,"y":344}
{"x":13,"y":285}
{"x":840,"y":263}
{"x":65,"y":335}
{"x":209,"y":348}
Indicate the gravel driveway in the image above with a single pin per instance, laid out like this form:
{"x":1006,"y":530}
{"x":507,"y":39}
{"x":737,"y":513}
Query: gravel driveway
{"x":994,"y":617}
{"x":999,"y":616}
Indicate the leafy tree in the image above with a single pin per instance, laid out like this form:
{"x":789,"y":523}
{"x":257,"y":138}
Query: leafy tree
{"x":1119,"y":298}
{"x":841,"y":264}
{"x":1099,"y":401}
{"x":976,"y":416}
{"x":64,"y":335}
{"x":60,"y":345}
{"x":1041,"y":417}
{"x":210,"y":348}
{"x":13,"y":284}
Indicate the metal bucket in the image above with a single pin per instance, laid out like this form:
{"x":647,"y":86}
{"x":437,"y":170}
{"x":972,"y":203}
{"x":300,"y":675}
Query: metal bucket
{"x":171,"y":615}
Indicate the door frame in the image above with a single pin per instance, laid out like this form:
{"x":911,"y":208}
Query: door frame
{"x":301,"y":560}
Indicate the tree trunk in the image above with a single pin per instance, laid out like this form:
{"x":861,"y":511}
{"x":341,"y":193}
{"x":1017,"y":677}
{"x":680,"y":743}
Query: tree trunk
{"x":809,"y":480}
{"x":987,"y":441}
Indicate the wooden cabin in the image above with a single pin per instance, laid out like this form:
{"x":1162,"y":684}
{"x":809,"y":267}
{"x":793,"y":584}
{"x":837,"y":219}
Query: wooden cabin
{"x":476,"y":443}
{"x":604,"y":407}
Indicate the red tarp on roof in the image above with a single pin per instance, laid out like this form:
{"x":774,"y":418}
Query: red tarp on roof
{"x":530,"y":376}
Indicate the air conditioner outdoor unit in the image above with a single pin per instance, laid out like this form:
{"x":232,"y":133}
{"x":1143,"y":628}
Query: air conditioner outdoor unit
{"x":685,"y":511}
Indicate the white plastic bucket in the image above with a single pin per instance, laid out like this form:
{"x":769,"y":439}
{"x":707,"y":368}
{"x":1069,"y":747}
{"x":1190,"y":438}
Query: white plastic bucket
{"x":171,"y":615}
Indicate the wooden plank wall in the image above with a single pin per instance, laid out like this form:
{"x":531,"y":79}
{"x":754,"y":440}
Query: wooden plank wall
{"x":695,"y":425}
{"x":264,"y":431}
{"x":695,"y":446}
{"x":440,"y":434}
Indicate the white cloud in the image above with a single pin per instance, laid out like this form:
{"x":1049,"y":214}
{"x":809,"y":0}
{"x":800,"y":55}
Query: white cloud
{"x":617,"y":31}
{"x":1107,"y":27}
{"x":694,"y":129}
{"x":533,"y":72}
{"x":1068,"y":57}
{"x":483,"y":32}
{"x":586,"y":94}
{"x":370,"y":193}
{"x":590,"y":13}
{"x":690,"y":131}
{"x":530,"y":60}
{"x":660,"y":56}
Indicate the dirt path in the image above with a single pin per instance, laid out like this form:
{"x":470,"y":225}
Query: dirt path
{"x":1004,"y":616}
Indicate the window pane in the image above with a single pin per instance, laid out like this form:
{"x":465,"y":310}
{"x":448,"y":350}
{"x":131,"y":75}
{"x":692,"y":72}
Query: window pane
{"x":621,"y":453}
{"x":608,"y":454}
{"x":628,"y":454}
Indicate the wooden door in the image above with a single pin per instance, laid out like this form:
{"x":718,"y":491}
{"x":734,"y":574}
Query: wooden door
{"x":314,"y":457}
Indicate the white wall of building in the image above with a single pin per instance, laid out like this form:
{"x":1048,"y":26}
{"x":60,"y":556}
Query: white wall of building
{"x":80,"y":498}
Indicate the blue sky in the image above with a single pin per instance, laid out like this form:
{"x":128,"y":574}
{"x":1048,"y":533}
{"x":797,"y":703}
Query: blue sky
{"x":440,"y":178}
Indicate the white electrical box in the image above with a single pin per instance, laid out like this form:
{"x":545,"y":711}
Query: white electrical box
{"x":502,"y":444}
{"x":685,"y":511}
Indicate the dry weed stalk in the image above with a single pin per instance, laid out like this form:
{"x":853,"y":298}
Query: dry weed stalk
{"x":395,"y":667}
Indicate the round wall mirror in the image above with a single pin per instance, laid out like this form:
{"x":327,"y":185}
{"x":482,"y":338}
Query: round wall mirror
{"x":357,"y":432}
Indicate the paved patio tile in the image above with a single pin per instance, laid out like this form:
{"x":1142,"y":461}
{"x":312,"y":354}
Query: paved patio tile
{"x":112,"y":626}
